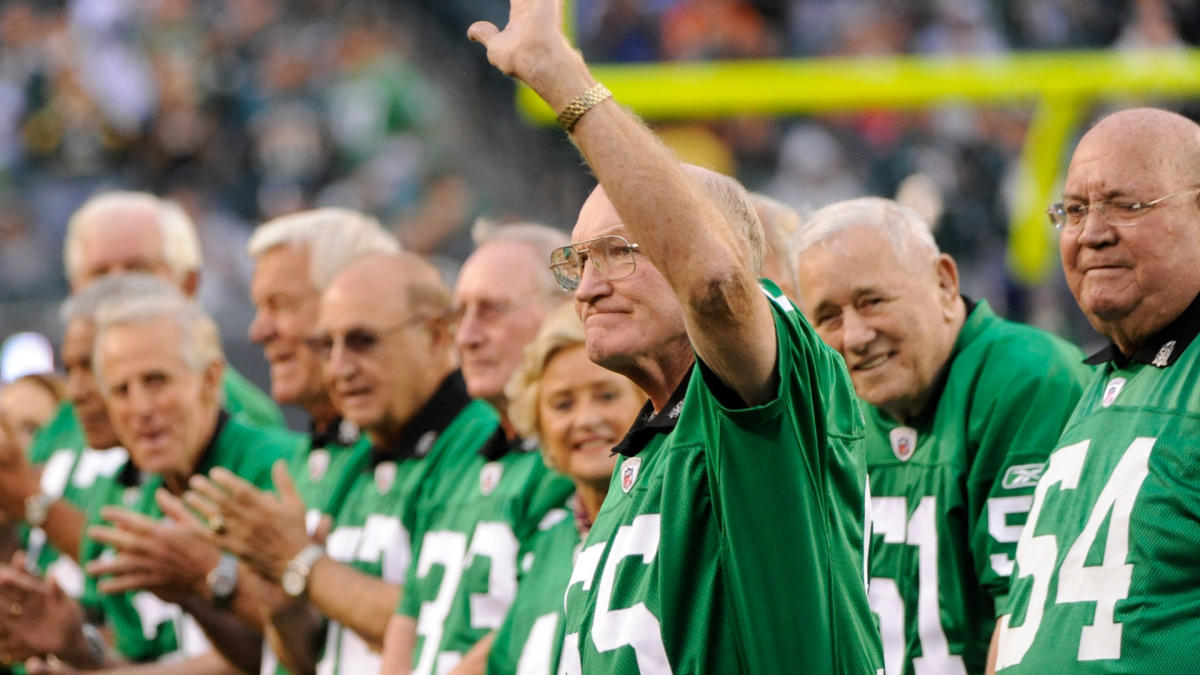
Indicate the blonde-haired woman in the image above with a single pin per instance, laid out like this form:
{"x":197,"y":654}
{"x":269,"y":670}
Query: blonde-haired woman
{"x":578,"y":411}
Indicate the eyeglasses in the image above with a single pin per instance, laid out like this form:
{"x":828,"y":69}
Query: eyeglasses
{"x":358,"y":341}
{"x":612,"y":256}
{"x":1115,"y":211}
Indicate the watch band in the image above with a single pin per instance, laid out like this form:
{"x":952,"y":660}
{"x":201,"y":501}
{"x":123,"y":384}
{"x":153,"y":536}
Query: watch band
{"x":37,"y":508}
{"x":295,"y":576}
{"x":223,"y":580}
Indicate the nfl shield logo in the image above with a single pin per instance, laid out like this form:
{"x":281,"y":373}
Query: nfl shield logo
{"x":385,"y":476}
{"x":904,"y":442}
{"x":629,"y":472}
{"x":489,"y":477}
{"x":1114,"y":387}
{"x":318,"y":464}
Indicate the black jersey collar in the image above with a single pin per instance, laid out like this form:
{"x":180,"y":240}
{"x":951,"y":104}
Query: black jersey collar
{"x":422,"y":431}
{"x":648,"y":424}
{"x":339,"y":431}
{"x":500,"y":444}
{"x":1163,"y":348}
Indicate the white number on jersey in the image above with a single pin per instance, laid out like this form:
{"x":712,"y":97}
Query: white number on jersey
{"x":539,"y":646}
{"x":889,"y":517}
{"x":381,"y":540}
{"x":635,"y":626}
{"x":492,"y":540}
{"x":1104,"y":584}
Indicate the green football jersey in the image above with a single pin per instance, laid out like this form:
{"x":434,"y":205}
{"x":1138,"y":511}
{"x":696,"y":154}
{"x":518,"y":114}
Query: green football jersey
{"x":731,"y":540}
{"x":1107,"y":579}
{"x":475,"y":520}
{"x":62,"y":431}
{"x":73,"y":472}
{"x":950,"y":491}
{"x":374,"y":529}
{"x":326,"y":468}
{"x":145,"y":628}
{"x":530,"y":639}
{"x":248,"y":403}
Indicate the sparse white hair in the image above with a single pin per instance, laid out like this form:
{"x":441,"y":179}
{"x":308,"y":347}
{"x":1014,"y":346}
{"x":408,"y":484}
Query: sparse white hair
{"x":334,"y":237}
{"x":83,"y":305}
{"x":181,"y":246}
{"x":200,"y":343}
{"x":543,"y":239}
{"x":909,"y":234}
{"x":733,"y":200}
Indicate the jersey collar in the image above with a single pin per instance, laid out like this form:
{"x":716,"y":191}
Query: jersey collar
{"x":1163,"y":348}
{"x":500,"y":444}
{"x":422,"y":431}
{"x":648,"y":424}
{"x":340,"y":431}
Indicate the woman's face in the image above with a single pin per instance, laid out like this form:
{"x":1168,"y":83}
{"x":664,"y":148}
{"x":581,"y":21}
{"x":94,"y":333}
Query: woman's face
{"x":583,"y":411}
{"x":26,"y":407}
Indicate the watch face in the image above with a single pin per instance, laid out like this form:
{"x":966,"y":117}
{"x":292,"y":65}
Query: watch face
{"x":223,"y":585}
{"x":292,"y":582}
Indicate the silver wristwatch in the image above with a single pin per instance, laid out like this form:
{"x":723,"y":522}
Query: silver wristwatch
{"x":223,"y":579}
{"x":37,"y":508}
{"x":295,"y":576}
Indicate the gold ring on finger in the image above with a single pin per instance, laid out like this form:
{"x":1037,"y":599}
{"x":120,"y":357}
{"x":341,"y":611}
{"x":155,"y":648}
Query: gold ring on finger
{"x":15,"y":609}
{"x":217,"y":525}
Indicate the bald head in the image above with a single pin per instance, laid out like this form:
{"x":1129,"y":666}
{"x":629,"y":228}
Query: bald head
{"x":385,"y":321}
{"x":1160,"y":141}
{"x":1134,"y":278}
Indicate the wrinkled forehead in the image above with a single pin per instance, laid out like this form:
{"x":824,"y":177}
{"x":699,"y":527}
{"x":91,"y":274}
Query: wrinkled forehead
{"x":343,"y":309}
{"x":597,"y":217}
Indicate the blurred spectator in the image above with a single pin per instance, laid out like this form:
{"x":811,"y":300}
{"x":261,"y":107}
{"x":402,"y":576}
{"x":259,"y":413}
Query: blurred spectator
{"x":28,"y":403}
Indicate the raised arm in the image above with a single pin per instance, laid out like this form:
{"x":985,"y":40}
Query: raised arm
{"x":677,"y":226}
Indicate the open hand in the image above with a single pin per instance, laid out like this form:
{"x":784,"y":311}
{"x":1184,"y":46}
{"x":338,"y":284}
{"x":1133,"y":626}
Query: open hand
{"x":261,"y":528}
{"x":161,"y":556}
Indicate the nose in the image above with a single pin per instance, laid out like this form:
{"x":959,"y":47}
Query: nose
{"x":140,"y":401}
{"x":592,"y":284}
{"x":1094,"y":231}
{"x":857,"y":333}
{"x":261,"y":328}
{"x":340,"y":364}
{"x":470,"y":331}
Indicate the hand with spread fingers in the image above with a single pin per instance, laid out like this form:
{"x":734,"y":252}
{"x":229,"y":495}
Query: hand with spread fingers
{"x":263,"y":529}
{"x":532,"y":47}
{"x":161,"y":556}
{"x":37,"y":617}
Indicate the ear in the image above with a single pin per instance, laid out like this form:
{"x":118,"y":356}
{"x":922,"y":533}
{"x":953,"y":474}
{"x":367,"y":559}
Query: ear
{"x":947,"y":281}
{"x":212,"y":376}
{"x":190,"y":283}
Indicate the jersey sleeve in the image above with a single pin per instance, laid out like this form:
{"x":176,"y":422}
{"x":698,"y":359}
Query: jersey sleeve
{"x":1021,"y":406}
{"x":788,"y":481}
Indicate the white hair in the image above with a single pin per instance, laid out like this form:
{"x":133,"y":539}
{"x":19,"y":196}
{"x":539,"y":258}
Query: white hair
{"x":542,"y":239}
{"x":181,"y":246}
{"x":908,"y":234}
{"x":733,"y":201}
{"x":334,"y":237}
{"x":83,"y":305}
{"x":200,"y":343}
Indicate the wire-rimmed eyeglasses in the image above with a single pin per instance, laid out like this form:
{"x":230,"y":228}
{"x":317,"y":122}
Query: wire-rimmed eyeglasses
{"x":612,"y":255}
{"x":1116,"y":211}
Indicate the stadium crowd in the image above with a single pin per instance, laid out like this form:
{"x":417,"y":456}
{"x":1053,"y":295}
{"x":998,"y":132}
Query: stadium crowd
{"x":704,"y":432}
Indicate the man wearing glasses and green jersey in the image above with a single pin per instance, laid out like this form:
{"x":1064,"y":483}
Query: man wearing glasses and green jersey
{"x":732,"y":538}
{"x":1106,"y":579}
